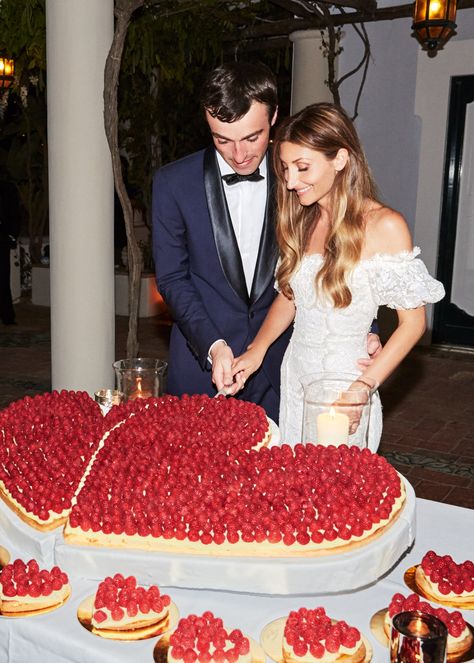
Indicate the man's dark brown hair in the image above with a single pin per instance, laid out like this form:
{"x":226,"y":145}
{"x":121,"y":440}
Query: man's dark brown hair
{"x":230,"y":90}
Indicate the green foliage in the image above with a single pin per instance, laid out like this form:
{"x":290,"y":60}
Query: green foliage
{"x":23,"y":36}
{"x":170,"y":46}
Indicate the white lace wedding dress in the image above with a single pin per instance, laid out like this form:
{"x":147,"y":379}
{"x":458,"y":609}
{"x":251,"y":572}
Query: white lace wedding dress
{"x":326,"y":339}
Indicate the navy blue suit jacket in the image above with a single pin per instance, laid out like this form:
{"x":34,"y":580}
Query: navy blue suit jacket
{"x":200,"y":275}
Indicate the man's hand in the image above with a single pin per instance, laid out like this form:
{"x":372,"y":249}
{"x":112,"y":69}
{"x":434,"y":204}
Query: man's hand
{"x":222,"y":359}
{"x":374,"y":348}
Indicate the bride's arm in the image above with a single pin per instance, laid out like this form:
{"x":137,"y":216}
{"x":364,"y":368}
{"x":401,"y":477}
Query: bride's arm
{"x":411,"y":325}
{"x":279,"y":317}
{"x":388,"y":233}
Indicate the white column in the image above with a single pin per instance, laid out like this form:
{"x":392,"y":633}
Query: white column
{"x":310,"y":70}
{"x":78,"y":37}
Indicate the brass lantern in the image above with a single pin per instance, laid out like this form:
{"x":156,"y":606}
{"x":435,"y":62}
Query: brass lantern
{"x":7,"y":69}
{"x":433,"y":23}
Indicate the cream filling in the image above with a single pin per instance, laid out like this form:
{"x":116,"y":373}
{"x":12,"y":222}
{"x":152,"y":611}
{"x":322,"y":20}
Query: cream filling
{"x":327,"y":657}
{"x":127,"y":621}
{"x":452,"y":640}
{"x":149,"y":542}
{"x":243,"y":658}
{"x":56,"y":596}
{"x":434,"y":588}
{"x":53,"y":515}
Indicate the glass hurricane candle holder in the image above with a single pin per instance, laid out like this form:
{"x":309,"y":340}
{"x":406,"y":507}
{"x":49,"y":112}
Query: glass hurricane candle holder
{"x":107,"y":398}
{"x":140,"y":377}
{"x":334,"y":411}
{"x":417,"y":637}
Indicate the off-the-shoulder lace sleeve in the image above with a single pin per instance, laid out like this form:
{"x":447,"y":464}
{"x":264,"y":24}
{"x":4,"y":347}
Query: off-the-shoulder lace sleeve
{"x":401,"y":281}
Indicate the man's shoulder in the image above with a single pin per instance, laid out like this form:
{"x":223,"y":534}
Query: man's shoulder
{"x":175,"y":169}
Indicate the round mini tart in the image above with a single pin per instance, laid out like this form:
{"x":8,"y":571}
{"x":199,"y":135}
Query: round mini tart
{"x":26,"y":590}
{"x":444,"y":581}
{"x":460,"y":643}
{"x":122,"y":610}
{"x":310,"y":636}
{"x":205,"y":639}
{"x":46,"y":443}
{"x":204,"y":494}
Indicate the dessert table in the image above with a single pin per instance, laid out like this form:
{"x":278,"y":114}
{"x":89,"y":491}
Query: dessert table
{"x":58,"y":636}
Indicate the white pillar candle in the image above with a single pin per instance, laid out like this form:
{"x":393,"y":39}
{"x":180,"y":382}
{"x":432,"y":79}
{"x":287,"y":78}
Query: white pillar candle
{"x":333,"y":428}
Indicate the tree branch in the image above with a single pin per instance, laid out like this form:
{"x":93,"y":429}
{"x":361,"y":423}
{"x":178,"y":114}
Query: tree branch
{"x":123,"y":12}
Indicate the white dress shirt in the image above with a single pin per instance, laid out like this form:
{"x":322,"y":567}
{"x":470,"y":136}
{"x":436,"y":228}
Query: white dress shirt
{"x":246,"y":202}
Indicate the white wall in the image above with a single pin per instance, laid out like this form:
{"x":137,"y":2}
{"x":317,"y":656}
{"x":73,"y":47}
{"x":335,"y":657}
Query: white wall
{"x":403,"y":116}
{"x":387,"y":124}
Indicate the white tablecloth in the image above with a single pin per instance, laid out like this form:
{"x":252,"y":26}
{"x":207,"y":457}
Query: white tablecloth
{"x":58,"y":636}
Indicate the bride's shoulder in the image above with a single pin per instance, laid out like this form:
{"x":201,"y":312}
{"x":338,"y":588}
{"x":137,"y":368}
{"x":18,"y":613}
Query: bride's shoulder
{"x":386,"y":232}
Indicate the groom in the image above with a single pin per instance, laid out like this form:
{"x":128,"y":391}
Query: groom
{"x":214,"y":244}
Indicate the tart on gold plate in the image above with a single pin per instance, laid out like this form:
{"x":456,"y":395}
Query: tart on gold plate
{"x":460,"y":643}
{"x":27,"y":590}
{"x":122,"y":610}
{"x":205,"y":639}
{"x":311,"y":636}
{"x":441,"y":580}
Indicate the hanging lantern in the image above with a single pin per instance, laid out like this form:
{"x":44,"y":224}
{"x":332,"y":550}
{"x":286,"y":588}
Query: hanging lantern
{"x":7,"y":69}
{"x":433,"y":23}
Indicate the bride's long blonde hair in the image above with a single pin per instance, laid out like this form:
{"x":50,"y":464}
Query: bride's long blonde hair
{"x":326,"y":128}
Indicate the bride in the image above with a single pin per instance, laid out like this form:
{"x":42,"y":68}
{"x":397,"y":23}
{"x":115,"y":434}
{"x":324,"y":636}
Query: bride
{"x":342,"y":255}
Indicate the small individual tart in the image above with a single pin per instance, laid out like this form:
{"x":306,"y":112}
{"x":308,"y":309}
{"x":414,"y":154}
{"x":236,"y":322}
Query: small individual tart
{"x":26,"y":589}
{"x":121,"y":605}
{"x":310,"y":636}
{"x":205,"y":639}
{"x":442,"y":579}
{"x":460,"y":638}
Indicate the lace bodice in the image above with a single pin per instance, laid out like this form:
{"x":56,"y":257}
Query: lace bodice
{"x":326,"y":339}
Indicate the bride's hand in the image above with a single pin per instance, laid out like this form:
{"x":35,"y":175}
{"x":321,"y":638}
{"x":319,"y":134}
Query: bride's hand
{"x":246,"y":364}
{"x":353,"y":400}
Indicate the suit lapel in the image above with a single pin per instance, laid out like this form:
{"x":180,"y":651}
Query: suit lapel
{"x":268,"y":249}
{"x":224,"y":236}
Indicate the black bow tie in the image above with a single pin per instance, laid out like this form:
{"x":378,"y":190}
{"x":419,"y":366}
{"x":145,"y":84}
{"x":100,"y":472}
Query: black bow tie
{"x":233,"y":178}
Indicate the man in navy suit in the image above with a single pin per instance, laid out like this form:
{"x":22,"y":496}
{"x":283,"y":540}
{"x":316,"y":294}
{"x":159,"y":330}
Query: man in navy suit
{"x":214,"y":243}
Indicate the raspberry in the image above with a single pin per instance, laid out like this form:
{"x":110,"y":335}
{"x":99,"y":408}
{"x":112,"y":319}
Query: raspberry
{"x":189,"y":656}
{"x":46,"y":589}
{"x":132,"y":609}
{"x":9,"y":590}
{"x":100,"y":616}
{"x":332,"y":644}
{"x":444,"y":587}
{"x":300,"y":648}
{"x":117,"y":613}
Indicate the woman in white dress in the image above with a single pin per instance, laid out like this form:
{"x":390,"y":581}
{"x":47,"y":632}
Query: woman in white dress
{"x":342,"y":255}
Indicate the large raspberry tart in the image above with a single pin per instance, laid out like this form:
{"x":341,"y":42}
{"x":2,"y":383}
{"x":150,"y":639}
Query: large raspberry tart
{"x":205,"y":639}
{"x":460,"y":638}
{"x":182,"y":492}
{"x":25,"y":589}
{"x":443,"y":580}
{"x":46,"y":443}
{"x":188,"y":475}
